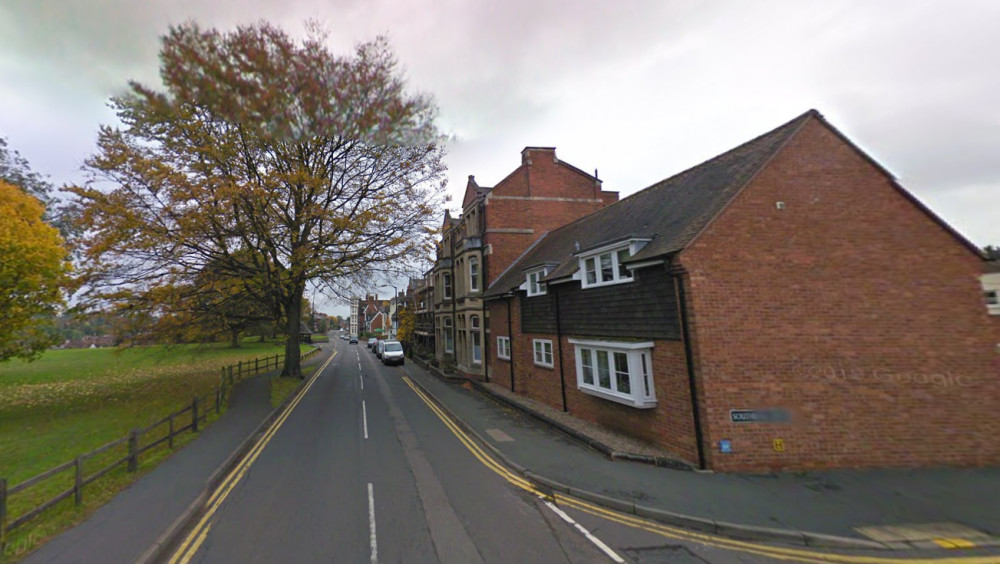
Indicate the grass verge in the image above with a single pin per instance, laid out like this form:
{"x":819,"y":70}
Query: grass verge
{"x":281,"y":388}
{"x":72,"y":401}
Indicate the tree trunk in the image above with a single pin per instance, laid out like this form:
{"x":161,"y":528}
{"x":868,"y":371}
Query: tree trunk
{"x":235,"y":342}
{"x":293,"y":309}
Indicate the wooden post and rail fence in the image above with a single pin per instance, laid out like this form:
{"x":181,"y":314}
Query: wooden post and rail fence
{"x":129,"y":448}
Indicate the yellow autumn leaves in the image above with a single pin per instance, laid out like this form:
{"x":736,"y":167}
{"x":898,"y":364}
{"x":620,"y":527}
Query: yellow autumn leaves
{"x":33,"y":271}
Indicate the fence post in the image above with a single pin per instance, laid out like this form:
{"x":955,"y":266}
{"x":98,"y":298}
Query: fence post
{"x":3,"y":514}
{"x":239,"y":370}
{"x":78,"y":483}
{"x":194,"y":415}
{"x":133,"y":450}
{"x":256,"y":365}
{"x":170,"y":435}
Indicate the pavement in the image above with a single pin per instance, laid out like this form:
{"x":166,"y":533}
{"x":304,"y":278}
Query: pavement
{"x":816,"y":508}
{"x":125,"y":528}
{"x":908,"y":508}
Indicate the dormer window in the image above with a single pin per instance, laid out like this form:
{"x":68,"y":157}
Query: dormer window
{"x":606,"y":267}
{"x":535,"y":285}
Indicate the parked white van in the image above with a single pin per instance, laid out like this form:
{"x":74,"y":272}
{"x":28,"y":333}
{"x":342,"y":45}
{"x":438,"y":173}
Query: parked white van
{"x":392,"y":352}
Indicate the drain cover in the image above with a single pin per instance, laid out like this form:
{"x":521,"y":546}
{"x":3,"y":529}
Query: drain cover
{"x":663,"y":555}
{"x":499,"y":436}
{"x":920,"y":532}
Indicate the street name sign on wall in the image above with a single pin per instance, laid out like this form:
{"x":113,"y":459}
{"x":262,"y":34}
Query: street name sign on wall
{"x":759,"y":415}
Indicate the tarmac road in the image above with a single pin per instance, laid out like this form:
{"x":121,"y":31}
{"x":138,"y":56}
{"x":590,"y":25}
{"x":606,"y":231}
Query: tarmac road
{"x":362,"y":470}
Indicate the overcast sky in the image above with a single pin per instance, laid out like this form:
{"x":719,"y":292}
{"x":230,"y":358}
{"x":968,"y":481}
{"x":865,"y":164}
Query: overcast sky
{"x":639,"y":90}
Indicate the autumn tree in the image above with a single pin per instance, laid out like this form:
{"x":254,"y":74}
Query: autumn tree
{"x":15,"y":170}
{"x":33,"y":270}
{"x":263,"y":158}
{"x":407,"y":325}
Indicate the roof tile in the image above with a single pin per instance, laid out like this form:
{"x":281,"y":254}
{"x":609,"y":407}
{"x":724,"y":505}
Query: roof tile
{"x":670,"y":213}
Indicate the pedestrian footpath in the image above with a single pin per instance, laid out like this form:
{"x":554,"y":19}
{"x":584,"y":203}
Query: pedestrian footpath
{"x":834,"y":503}
{"x":130,"y":524}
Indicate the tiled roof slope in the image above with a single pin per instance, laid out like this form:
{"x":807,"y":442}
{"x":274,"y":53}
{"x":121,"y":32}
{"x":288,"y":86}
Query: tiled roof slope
{"x":670,"y":212}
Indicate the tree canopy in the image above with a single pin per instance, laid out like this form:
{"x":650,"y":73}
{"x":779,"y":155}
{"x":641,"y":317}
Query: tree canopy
{"x":33,"y":270}
{"x":15,"y":170}
{"x":270,"y":161}
{"x":407,"y":325}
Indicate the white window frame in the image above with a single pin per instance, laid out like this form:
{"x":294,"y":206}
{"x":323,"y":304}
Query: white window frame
{"x":538,"y":347}
{"x":476,"y":343}
{"x":473,"y":274}
{"x":620,"y":273}
{"x":991,"y":283}
{"x":536,"y":288}
{"x":641,"y":392}
{"x":449,"y":335}
{"x":503,"y":348}
{"x":446,"y":289}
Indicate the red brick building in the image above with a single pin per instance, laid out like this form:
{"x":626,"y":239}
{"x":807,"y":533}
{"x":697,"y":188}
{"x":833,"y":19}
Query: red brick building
{"x":372,"y":315}
{"x":785,"y":305}
{"x":496,"y":225}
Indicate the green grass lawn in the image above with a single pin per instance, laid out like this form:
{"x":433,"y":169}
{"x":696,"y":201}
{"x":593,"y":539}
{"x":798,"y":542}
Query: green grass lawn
{"x":72,"y":401}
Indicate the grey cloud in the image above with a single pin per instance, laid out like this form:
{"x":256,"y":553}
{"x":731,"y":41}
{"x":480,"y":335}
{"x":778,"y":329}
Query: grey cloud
{"x":639,"y":89}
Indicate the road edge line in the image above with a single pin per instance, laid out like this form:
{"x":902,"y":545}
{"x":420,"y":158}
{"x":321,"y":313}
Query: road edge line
{"x":735,"y":531}
{"x":168,"y":539}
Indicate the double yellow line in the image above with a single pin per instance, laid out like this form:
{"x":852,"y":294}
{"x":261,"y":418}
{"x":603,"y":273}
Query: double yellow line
{"x":193,"y":541}
{"x":776,"y":552}
{"x":476,"y":451}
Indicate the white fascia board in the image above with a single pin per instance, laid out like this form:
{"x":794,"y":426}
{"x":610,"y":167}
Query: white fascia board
{"x":612,"y":344}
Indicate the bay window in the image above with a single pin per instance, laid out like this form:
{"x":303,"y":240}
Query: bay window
{"x":477,"y":348}
{"x":473,"y":274}
{"x":449,"y":336}
{"x":616,"y":371}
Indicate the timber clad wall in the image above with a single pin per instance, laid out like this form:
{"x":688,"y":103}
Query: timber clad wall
{"x":669,"y":425}
{"x":643,"y":309}
{"x":815,"y":286}
{"x":851,"y":308}
{"x":540,"y":195}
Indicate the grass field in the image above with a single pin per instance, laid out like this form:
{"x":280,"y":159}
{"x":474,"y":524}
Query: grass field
{"x":72,"y":401}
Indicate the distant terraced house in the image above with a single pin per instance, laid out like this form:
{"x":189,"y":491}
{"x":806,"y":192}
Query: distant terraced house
{"x":784,"y":305}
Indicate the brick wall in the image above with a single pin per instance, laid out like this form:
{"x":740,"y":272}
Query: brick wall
{"x":852,"y":309}
{"x":559,"y":195}
{"x":669,"y":425}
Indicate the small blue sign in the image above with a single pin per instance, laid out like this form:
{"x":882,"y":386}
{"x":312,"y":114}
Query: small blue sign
{"x":726,"y":446}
